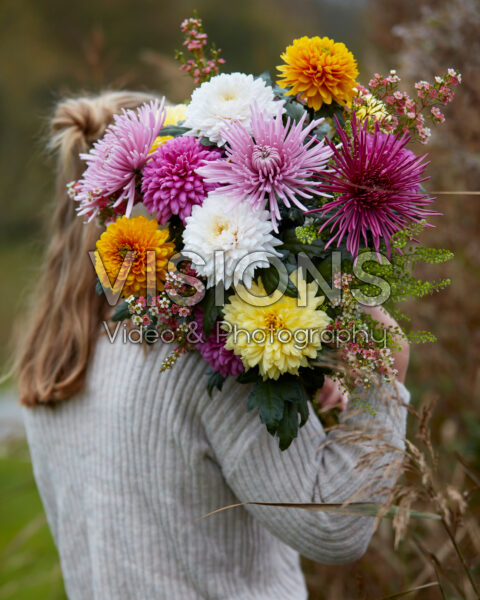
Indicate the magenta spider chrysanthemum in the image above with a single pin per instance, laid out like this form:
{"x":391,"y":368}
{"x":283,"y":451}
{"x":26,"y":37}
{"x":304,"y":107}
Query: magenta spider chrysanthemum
{"x":272,"y":164}
{"x":376,"y":182}
{"x":114,"y":162}
{"x":170,"y":182}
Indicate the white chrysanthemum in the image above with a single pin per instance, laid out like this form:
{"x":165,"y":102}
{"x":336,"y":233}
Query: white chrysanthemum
{"x":226,"y":98}
{"x":237,"y":231}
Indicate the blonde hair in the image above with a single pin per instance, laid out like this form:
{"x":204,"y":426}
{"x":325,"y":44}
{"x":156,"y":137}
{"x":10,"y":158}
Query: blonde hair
{"x":53,"y":356}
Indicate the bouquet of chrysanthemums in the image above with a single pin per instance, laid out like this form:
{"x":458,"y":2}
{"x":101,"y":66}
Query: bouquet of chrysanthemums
{"x":252,"y":222}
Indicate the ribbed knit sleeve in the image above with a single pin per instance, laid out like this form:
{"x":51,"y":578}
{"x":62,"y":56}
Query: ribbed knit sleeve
{"x":318,"y":467}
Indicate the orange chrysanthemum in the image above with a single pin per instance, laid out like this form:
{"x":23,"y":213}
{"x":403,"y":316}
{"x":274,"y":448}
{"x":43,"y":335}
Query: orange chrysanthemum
{"x":123,"y":248}
{"x":320,"y":70}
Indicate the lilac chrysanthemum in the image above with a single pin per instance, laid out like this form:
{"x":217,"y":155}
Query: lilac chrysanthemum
{"x":171,"y":184}
{"x":376,"y":182}
{"x":116,"y":159}
{"x":213,"y":349}
{"x":271,"y":165}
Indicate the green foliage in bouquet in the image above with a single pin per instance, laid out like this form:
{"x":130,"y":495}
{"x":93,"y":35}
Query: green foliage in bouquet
{"x":398,"y":273}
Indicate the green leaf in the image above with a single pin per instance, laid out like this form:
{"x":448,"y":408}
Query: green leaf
{"x":330,"y":111}
{"x":325,"y":268}
{"x":280,"y":402}
{"x":288,"y":259}
{"x":288,"y":427}
{"x":266,"y":77}
{"x":173,"y":130}
{"x":302,"y":407}
{"x":121,"y":312}
{"x":176,"y":229}
{"x":295,"y":215}
{"x":271,"y":279}
{"x":215,"y":380}
{"x":266,"y":397}
{"x":279,"y":92}
{"x":323,"y":130}
{"x":250,"y":376}
{"x":98,"y":288}
{"x":313,"y":378}
{"x":296,"y":403}
{"x":294,"y":245}
{"x":294,"y":110}
{"x":210,"y":312}
{"x":206,"y":142}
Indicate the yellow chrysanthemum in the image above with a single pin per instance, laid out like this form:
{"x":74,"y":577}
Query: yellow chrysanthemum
{"x":175,"y":114}
{"x":371,"y":107}
{"x":280,"y":337}
{"x":320,"y":70}
{"x":371,"y":110}
{"x":138,"y":235}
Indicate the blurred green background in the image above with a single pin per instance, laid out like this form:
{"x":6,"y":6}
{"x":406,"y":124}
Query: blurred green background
{"x":50,"y":48}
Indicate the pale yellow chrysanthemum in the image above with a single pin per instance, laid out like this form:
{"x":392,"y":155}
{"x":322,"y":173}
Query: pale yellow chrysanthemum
{"x":280,"y":337}
{"x":320,"y":70}
{"x":371,"y":107}
{"x":175,"y":114}
{"x":371,"y":110}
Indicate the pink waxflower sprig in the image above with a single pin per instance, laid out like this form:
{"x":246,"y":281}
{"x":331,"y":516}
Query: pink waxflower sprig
{"x":158,"y":311}
{"x":161,"y":318}
{"x":199,"y":67}
{"x":407,"y":114}
{"x":168,"y":321}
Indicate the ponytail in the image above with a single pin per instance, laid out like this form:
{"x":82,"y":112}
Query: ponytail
{"x":53,"y":356}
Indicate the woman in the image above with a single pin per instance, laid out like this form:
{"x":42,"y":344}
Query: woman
{"x":127,"y":460}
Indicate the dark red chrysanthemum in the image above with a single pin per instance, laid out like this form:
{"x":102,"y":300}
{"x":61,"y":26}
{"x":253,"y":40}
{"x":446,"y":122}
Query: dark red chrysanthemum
{"x":376,"y":184}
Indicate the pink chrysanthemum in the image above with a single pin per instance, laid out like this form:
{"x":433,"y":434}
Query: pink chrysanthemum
{"x":171,"y":184}
{"x":213,"y":349}
{"x":271,"y":165}
{"x":115,"y":161}
{"x":376,"y":182}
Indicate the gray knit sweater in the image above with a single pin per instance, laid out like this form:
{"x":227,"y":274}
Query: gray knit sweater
{"x":126,"y":469}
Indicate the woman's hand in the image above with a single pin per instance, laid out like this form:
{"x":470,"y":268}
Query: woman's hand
{"x":331,"y":395}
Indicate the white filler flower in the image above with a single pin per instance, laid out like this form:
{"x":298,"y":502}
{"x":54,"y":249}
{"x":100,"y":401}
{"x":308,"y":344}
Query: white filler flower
{"x":226,"y":98}
{"x":231,"y":240}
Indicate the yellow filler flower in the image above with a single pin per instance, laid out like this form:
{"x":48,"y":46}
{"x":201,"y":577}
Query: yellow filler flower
{"x":320,"y":70}
{"x":138,"y":235}
{"x":370,"y":110}
{"x":175,"y":114}
{"x":280,"y":337}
